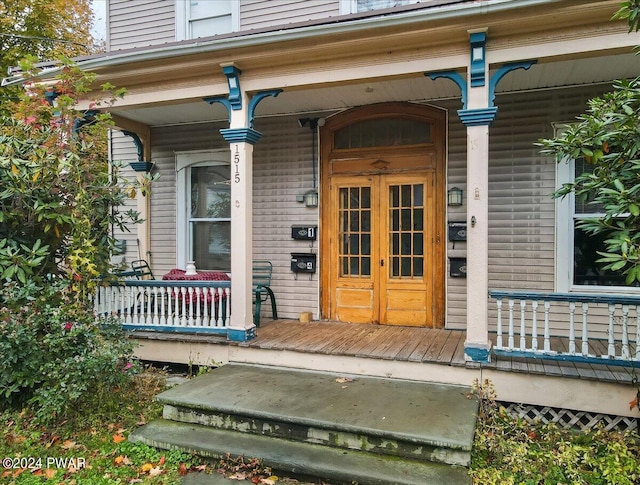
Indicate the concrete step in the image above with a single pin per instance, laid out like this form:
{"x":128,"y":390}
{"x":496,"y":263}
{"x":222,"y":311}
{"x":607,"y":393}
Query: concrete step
{"x":299,"y":458}
{"x":322,"y":424}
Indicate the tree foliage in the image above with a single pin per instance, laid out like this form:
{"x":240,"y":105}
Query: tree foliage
{"x":607,"y":138}
{"x":43,"y":30}
{"x":59,"y":195}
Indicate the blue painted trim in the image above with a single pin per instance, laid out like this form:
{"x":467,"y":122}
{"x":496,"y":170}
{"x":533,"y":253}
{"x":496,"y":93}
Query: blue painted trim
{"x":235,"y":335}
{"x":236,"y":135}
{"x":137,"y":141}
{"x":568,"y":297}
{"x":478,"y":354}
{"x":567,"y":358}
{"x":88,"y":117}
{"x":222,"y":100}
{"x":500,"y":73}
{"x":233,"y":81}
{"x":456,"y":78}
{"x":174,"y":329}
{"x":477,"y":117}
{"x":259,"y":96}
{"x":477,"y":72}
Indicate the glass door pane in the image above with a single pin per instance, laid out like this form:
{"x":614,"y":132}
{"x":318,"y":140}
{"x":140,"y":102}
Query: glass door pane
{"x":354,"y":213}
{"x":406,"y":231}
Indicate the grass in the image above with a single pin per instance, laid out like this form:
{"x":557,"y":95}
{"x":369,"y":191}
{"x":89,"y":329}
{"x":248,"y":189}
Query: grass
{"x":91,"y":448}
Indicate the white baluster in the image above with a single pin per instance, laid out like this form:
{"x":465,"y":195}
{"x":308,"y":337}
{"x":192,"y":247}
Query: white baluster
{"x":547,"y":339}
{"x":220,"y":296}
{"x":207,"y":297}
{"x":585,"y":331}
{"x":227,"y":299}
{"x":191,"y":306}
{"x":611,"y":348}
{"x":523,"y":340}
{"x":510,"y":340}
{"x":625,"y":336}
{"x":572,"y":328}
{"x":534,"y":325}
{"x":637,"y":335}
{"x":499,"y":328}
{"x":183,"y":320}
{"x":156,"y":312}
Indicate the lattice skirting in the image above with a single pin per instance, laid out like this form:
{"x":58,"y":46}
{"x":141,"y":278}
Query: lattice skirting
{"x":569,"y":419}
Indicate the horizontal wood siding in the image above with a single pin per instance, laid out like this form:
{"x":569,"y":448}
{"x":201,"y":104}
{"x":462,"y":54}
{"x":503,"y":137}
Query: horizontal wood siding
{"x":140,"y":23}
{"x":124,"y":150}
{"x":282,"y":170}
{"x":266,"y":13}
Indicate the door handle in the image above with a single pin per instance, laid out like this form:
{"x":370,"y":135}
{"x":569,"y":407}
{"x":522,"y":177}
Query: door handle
{"x":382,"y":262}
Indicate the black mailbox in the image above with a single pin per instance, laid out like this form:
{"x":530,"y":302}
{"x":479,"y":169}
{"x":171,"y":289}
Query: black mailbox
{"x":457,"y":231}
{"x":306,"y":233}
{"x":303,"y":262}
{"x":458,"y":267}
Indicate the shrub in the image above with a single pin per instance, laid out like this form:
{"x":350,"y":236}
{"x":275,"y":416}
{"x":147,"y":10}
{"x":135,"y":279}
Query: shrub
{"x":55,"y":355}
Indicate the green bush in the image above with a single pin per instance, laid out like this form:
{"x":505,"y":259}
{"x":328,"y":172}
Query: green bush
{"x":508,"y":450}
{"x":55,"y":355}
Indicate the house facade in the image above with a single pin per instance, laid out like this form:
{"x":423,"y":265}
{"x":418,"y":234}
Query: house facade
{"x":380,"y":154}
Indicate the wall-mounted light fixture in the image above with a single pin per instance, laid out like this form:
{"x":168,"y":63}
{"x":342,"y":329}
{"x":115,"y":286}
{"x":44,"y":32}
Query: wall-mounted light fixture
{"x":454,"y":196}
{"x":311,"y":198}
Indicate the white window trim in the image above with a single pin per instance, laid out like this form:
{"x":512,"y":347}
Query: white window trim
{"x":564,"y":240}
{"x":182,"y":19}
{"x":185,"y":160}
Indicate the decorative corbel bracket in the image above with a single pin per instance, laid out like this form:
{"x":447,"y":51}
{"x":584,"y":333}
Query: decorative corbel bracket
{"x":259,"y":96}
{"x":141,"y":165}
{"x":233,"y":81}
{"x":222,"y":100}
{"x":456,"y":78}
{"x":500,"y":73}
{"x":478,"y":41}
{"x":88,"y":117}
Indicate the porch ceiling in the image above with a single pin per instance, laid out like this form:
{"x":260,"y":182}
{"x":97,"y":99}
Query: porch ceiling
{"x":338,"y":97}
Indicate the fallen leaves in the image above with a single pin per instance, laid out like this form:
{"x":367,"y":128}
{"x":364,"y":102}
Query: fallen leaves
{"x":118,"y":438}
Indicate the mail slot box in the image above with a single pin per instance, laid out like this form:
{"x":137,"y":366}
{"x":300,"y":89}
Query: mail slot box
{"x":458,"y":267}
{"x":457,"y":231}
{"x":303,"y":262}
{"x":306,"y":233}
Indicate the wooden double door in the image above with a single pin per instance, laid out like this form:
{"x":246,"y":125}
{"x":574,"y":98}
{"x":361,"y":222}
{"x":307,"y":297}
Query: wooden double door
{"x":382,"y":219}
{"x":383,"y":254}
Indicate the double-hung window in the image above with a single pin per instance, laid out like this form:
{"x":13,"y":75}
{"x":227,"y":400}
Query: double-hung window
{"x":577,"y":251}
{"x":355,"y":6}
{"x":204,"y":210}
{"x":204,"y":18}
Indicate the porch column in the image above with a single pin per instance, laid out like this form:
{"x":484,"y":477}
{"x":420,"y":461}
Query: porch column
{"x":241,"y":137}
{"x":477,"y":117}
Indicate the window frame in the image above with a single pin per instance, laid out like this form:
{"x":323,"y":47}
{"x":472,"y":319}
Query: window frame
{"x":183,"y":19}
{"x":566,"y":217}
{"x":185,"y":160}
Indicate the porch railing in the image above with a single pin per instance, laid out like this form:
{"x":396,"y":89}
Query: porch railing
{"x":568,"y":326}
{"x":178,"y":306}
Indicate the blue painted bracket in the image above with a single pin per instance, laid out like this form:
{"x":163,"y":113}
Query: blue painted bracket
{"x":478,"y":42}
{"x":88,"y":117}
{"x":259,"y":96}
{"x":138,"y":143}
{"x":456,"y":78}
{"x":500,"y":73}
{"x":220,"y":99}
{"x":233,"y":81}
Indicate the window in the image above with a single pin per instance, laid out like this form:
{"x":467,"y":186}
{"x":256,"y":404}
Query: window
{"x":204,"y":18}
{"x":577,"y":251}
{"x":204,"y":210}
{"x":354,"y":6}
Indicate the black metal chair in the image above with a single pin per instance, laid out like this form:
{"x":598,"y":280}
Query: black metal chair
{"x":262,"y":292}
{"x":142,"y":270}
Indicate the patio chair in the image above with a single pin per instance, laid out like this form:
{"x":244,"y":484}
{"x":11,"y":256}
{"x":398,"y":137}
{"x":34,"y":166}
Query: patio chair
{"x":262,"y":292}
{"x":142,"y":270}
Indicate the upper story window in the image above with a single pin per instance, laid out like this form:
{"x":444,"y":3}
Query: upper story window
{"x":355,"y":6}
{"x":204,"y":18}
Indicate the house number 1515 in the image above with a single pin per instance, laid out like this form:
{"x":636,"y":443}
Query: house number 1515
{"x":236,"y":164}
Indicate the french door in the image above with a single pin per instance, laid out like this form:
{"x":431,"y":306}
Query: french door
{"x":384,"y":266}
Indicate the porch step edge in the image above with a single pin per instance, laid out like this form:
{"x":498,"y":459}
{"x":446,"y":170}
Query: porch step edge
{"x":338,"y":465}
{"x":385,"y":443}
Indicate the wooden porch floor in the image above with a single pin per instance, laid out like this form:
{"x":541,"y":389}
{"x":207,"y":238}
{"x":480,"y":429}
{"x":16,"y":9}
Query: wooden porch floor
{"x":395,"y":343}
{"x":414,"y":344}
